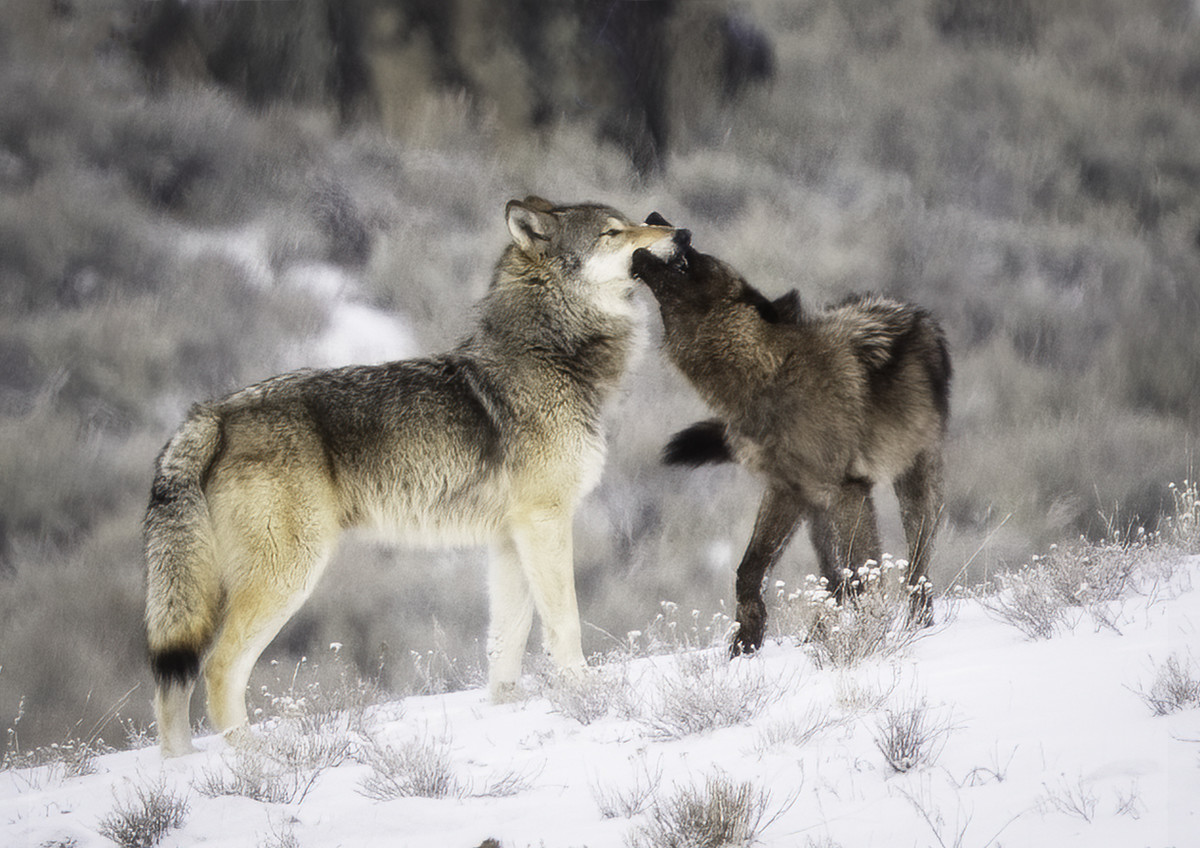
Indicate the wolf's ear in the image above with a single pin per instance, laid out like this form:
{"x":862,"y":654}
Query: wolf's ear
{"x":531,"y":225}
{"x":783,"y":310}
{"x":656,"y":220}
{"x":788,"y":308}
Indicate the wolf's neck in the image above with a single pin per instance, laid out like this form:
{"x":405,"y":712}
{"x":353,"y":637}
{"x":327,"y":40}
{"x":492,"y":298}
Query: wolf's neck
{"x":548,"y":341}
{"x":730,"y":366}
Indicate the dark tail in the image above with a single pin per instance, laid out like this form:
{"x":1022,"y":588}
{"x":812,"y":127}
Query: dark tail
{"x":703,"y":443}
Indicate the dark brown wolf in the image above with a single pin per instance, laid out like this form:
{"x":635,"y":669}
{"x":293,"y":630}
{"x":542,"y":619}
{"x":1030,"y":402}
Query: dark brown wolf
{"x":821,"y":404}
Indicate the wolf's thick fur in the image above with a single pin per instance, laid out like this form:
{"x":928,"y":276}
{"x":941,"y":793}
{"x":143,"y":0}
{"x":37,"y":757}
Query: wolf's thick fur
{"x":821,"y":404}
{"x":494,"y":442}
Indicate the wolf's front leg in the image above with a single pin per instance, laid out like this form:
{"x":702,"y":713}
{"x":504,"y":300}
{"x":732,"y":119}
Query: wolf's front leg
{"x":543,"y":543}
{"x":511,"y":605}
{"x":778,"y":514}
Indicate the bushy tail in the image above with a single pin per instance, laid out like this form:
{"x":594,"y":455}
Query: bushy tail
{"x":182,"y":588}
{"x":703,"y":443}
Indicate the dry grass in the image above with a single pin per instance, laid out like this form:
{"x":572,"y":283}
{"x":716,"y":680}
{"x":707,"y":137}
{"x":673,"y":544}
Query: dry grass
{"x":911,"y":734}
{"x":1176,"y":687}
{"x":423,"y":767}
{"x":873,"y":624}
{"x":630,"y":798}
{"x":716,"y":814}
{"x":705,"y":691}
{"x":147,"y":813}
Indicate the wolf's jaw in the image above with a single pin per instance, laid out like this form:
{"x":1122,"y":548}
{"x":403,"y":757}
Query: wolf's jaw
{"x":670,"y":252}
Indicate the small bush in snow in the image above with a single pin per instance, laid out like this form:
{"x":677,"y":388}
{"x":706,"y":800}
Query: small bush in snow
{"x":1175,"y":688}
{"x":1022,"y":600}
{"x":910,"y":735}
{"x":797,"y":730}
{"x":143,"y":818}
{"x":283,"y":760}
{"x":629,"y":799}
{"x":422,"y":768}
{"x":418,"y":768}
{"x":705,"y":691}
{"x":591,"y":695}
{"x":253,"y":773}
{"x":873,"y":624}
{"x":284,"y":837}
{"x":718,"y":814}
{"x":673,"y":633}
{"x":318,"y":693}
{"x":1072,"y":799}
{"x":439,"y":670}
{"x":1182,"y":527}
{"x":1051,"y":593}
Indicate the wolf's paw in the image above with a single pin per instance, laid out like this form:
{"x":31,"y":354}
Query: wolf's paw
{"x":752,"y":625}
{"x":242,"y":738}
{"x":507,"y":693}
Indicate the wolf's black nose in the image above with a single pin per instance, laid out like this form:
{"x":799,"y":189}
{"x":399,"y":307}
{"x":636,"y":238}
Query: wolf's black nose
{"x":683,"y":238}
{"x":656,"y":220}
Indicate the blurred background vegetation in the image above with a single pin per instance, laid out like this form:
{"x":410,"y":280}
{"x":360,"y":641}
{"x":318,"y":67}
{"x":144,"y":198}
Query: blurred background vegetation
{"x":187,"y":190}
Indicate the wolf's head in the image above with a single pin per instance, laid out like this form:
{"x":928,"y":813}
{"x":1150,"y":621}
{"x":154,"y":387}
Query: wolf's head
{"x":690,"y":286}
{"x":587,"y":246}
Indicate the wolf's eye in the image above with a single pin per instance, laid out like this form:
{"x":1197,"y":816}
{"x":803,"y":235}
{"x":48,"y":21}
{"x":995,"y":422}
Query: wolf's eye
{"x":610,"y":233}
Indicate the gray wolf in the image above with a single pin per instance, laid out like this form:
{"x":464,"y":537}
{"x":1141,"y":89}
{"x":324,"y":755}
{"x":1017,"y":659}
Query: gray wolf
{"x":821,"y":404}
{"x":494,"y":442}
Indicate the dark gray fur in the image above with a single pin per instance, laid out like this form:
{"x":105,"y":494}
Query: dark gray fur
{"x":822,"y":405}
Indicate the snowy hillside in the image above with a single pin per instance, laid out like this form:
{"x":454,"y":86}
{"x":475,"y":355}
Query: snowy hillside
{"x":1048,"y":742}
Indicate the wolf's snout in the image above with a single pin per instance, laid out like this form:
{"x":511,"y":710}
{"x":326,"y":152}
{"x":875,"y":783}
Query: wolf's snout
{"x":682,"y":238}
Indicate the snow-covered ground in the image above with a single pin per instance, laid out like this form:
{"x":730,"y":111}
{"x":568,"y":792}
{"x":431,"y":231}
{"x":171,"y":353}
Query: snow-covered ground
{"x":1037,"y":743}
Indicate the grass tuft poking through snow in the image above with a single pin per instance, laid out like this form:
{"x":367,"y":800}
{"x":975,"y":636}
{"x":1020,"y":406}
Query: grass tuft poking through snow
{"x":144,"y":816}
{"x":911,"y":735}
{"x":423,"y":767}
{"x":630,"y":799}
{"x":873,"y":624}
{"x":1175,"y":688}
{"x":705,"y":691}
{"x":720,"y":812}
{"x":418,"y":768}
{"x":595,"y":694}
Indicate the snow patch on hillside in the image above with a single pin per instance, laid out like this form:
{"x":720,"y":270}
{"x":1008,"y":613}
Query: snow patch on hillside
{"x":1044,"y":743}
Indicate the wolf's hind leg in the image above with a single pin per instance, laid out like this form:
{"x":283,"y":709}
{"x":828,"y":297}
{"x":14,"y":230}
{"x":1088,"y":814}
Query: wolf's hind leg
{"x":845,"y":536}
{"x":171,"y":702}
{"x":511,"y":603}
{"x":255,"y":614}
{"x":919,"y":491}
{"x":542,"y":540}
{"x":275,"y":532}
{"x":778,"y":515}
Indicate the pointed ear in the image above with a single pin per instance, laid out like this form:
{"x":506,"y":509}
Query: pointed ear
{"x":783,"y":310}
{"x":656,"y":220}
{"x":541,"y":204}
{"x":529,"y":225}
{"x":788,"y":308}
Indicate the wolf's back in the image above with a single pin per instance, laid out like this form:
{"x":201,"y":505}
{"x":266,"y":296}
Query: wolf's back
{"x":182,"y":588}
{"x":885,"y":333}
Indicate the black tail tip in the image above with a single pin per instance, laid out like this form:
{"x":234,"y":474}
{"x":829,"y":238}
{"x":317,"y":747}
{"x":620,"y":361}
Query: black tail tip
{"x":178,"y":666}
{"x":700,"y":444}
